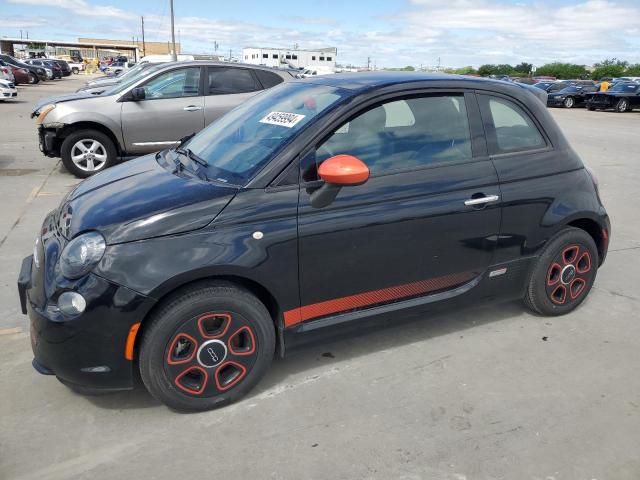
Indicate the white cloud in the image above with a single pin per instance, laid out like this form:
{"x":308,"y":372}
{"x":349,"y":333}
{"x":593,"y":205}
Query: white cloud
{"x":78,"y":7}
{"x":459,"y":32}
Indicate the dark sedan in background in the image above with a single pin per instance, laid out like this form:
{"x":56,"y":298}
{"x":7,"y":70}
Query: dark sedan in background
{"x":571,"y":96}
{"x":622,"y":97}
{"x":36,"y":73}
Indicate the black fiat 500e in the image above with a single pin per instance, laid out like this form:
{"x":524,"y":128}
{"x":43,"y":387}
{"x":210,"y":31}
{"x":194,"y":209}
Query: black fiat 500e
{"x":345,"y":198}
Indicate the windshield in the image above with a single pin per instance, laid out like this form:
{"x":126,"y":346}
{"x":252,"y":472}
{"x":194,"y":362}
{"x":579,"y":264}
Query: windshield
{"x":245,"y":139}
{"x":625,"y":87}
{"x":127,"y":82}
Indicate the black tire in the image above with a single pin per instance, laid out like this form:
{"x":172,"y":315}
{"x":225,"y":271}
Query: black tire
{"x":106,"y":152}
{"x":180,"y":322}
{"x":75,"y":70}
{"x":548,"y":279}
{"x":591,"y":109}
{"x":569,"y":102}
{"x":33,"y":78}
{"x":622,"y":105}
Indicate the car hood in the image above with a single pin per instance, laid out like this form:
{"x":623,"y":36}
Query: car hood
{"x":141,"y":199}
{"x":59,"y":99}
{"x":104,"y":85}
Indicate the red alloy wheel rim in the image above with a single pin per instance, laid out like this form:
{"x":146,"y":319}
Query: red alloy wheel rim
{"x":568,"y":275}
{"x":211,"y":353}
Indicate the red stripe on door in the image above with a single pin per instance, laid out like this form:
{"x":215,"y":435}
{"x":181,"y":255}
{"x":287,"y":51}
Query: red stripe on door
{"x":359,"y":300}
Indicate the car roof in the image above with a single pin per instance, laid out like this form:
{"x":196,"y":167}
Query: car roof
{"x":212,"y":63}
{"x":368,"y":80}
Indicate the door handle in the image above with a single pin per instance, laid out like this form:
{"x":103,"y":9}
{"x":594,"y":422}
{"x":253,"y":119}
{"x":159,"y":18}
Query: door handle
{"x":192,"y":108}
{"x":482,"y":200}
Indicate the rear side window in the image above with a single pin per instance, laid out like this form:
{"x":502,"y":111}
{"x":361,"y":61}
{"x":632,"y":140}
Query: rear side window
{"x":514,"y":129}
{"x":229,"y":80}
{"x":268,"y":79}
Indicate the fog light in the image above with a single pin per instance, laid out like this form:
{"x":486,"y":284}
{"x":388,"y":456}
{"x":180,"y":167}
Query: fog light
{"x":71,"y":303}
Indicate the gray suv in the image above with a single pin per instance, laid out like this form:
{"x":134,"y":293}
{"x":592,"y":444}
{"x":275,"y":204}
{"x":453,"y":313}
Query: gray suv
{"x":149,"y":112}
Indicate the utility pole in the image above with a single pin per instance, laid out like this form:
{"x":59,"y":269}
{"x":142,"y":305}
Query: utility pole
{"x":144,"y":46}
{"x":368,"y":63}
{"x":229,"y":54}
{"x":174,"y":55}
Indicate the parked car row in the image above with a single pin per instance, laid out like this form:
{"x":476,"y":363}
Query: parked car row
{"x":34,"y":70}
{"x":620,"y":95}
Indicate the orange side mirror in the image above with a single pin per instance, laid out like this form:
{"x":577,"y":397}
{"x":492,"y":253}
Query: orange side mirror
{"x":344,"y":170}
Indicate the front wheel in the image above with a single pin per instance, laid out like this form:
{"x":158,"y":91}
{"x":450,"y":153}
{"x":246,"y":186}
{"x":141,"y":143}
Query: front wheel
{"x":33,"y":78}
{"x":207,"y":347}
{"x":563,"y":274}
{"x":622,"y":105}
{"x":87,"y":152}
{"x":75,"y":70}
{"x":569,"y":102}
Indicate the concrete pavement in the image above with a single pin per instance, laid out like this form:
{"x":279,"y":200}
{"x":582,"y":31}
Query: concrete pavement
{"x":489,"y":393}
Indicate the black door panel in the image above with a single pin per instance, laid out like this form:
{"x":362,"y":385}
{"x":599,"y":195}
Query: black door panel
{"x":398,"y":229}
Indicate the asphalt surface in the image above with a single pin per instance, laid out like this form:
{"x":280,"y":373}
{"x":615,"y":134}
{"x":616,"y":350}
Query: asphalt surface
{"x":489,"y":393}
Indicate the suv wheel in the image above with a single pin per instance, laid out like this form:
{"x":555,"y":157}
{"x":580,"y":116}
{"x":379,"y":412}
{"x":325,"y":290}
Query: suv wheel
{"x":622,"y":105}
{"x":569,"y":102}
{"x":563,"y":274}
{"x":33,"y":78}
{"x":86,"y":152}
{"x":207,"y":347}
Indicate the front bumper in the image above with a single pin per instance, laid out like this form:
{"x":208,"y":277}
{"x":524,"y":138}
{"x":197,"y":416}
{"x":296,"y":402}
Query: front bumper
{"x":48,"y":142}
{"x":554,"y":101}
{"x":88,"y":350}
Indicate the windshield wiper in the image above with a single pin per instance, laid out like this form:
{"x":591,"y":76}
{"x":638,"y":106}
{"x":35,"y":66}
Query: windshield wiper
{"x":192,"y":156}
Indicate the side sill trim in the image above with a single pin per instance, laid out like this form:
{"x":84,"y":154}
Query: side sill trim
{"x":381,"y":309}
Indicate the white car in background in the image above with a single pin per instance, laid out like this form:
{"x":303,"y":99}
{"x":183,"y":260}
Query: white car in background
{"x":312,"y":71}
{"x":7,"y":90}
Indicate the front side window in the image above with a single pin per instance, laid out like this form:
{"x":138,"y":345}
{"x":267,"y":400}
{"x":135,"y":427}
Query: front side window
{"x":514,"y":130}
{"x":244,"y":140}
{"x":182,"y":82}
{"x":405,"y":134}
{"x":230,"y":80}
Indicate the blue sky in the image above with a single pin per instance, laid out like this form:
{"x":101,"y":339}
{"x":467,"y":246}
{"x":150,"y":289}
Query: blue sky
{"x":391,"y":32}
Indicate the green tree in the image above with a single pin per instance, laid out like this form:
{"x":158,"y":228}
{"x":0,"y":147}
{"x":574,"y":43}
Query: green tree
{"x":609,"y":68}
{"x":408,"y":68}
{"x":633,"y":70}
{"x":562,"y":70}
{"x":523,"y":68}
{"x":461,"y":70}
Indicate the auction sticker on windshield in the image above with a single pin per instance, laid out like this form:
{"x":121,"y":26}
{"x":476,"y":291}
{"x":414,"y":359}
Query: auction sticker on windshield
{"x":284,"y":119}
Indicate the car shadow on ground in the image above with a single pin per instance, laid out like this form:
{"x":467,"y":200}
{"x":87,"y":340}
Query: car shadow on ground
{"x":347,"y":343}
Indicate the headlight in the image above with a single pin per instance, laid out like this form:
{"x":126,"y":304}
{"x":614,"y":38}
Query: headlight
{"x":82,"y":254}
{"x":49,"y":71}
{"x":43,"y":112}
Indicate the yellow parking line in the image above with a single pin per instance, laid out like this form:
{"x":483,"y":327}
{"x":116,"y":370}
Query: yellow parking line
{"x":10,"y":331}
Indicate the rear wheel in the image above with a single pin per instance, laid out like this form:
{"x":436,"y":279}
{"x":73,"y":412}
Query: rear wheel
{"x":33,"y":78}
{"x":622,"y":105}
{"x":86,"y":152}
{"x":569,"y":102}
{"x":564,"y":273}
{"x":207,"y":347}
